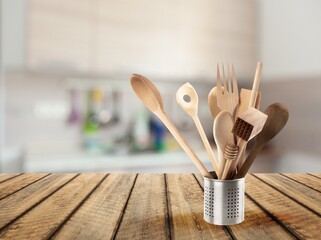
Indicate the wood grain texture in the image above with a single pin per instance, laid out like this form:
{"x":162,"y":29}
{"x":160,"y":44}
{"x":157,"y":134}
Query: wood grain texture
{"x":14,"y":184}
{"x":297,"y":219}
{"x":318,"y":175}
{"x":186,"y":210}
{"x":256,"y":223}
{"x":145,"y":216}
{"x":298,"y":192}
{"x":20,"y":202}
{"x":42,"y":221}
{"x":98,"y":217}
{"x":6,"y":176}
{"x":154,"y":206}
{"x":305,"y":179}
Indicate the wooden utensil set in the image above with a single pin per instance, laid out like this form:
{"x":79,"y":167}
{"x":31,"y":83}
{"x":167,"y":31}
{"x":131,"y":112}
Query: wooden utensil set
{"x":237,"y":120}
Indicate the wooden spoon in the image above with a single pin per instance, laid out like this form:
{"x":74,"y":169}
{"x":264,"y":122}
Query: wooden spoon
{"x":212,"y":102}
{"x":222,"y":130}
{"x":278,"y":116}
{"x":187,"y":98}
{"x":147,"y":92}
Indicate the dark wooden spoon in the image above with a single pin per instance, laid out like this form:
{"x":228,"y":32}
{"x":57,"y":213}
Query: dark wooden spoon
{"x":278,"y":116}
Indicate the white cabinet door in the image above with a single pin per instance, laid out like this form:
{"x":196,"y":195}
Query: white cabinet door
{"x":169,"y":38}
{"x":177,"y":38}
{"x":135,"y":36}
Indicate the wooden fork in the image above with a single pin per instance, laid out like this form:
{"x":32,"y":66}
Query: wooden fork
{"x":227,"y":97}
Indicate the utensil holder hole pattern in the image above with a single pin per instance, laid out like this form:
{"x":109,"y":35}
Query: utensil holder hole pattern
{"x":223,"y":201}
{"x":233,"y":201}
{"x":209,"y":201}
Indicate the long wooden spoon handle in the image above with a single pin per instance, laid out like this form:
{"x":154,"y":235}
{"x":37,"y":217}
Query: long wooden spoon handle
{"x":248,"y":162}
{"x":173,"y":130}
{"x":229,"y":171}
{"x":206,"y":144}
{"x":221,"y":162}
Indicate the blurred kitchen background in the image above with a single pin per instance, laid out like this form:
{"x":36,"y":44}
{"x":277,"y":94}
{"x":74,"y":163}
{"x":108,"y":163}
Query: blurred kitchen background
{"x":66,"y":104}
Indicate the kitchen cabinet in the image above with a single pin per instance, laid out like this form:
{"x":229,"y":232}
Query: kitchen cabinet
{"x":58,"y":35}
{"x":178,"y":39}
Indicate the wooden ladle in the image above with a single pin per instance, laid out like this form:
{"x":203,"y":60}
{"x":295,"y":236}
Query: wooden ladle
{"x":222,"y":130}
{"x":147,"y":92}
{"x":187,"y":98}
{"x":278,"y":116}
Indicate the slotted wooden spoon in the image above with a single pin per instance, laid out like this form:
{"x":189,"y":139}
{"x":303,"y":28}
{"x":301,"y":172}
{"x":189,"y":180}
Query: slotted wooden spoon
{"x":187,"y":98}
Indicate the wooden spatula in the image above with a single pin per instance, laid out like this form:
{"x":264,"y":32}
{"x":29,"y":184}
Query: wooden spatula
{"x":245,"y":95}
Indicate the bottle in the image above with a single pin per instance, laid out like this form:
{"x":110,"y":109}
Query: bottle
{"x":140,"y":131}
{"x":91,"y":129}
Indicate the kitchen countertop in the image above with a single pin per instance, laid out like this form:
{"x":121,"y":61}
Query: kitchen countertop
{"x":153,"y":206}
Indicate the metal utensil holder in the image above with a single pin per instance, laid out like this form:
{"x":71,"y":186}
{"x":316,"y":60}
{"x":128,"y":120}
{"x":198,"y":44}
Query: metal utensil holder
{"x":224,"y":201}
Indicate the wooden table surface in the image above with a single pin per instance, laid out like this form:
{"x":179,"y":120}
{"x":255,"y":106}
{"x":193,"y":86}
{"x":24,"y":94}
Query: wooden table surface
{"x":153,"y":206}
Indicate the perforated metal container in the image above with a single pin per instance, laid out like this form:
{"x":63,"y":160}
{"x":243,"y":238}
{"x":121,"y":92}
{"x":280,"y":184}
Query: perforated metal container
{"x":224,"y":201}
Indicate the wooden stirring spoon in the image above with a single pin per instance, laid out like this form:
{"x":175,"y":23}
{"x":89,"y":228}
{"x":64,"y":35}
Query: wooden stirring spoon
{"x":147,"y":92}
{"x":187,"y":98}
{"x":222,"y":131}
{"x":278,"y":116}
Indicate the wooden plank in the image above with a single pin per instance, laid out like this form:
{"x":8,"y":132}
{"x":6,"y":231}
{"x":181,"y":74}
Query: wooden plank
{"x":98,"y":217}
{"x":20,"y":202}
{"x":6,"y":176}
{"x":145,"y":216}
{"x":296,"y":218}
{"x":306,"y":179}
{"x":15,"y":184}
{"x":46,"y":217}
{"x":185,"y":199}
{"x":316,"y":174}
{"x":256,"y":223}
{"x":298,"y":192}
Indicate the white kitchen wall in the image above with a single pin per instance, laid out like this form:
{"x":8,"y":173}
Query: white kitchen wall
{"x":13,"y":16}
{"x":12,"y":48}
{"x":290,"y":37}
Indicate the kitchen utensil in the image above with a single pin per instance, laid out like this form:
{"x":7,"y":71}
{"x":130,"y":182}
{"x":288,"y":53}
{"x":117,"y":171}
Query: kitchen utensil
{"x":256,"y":84}
{"x":222,"y":131}
{"x":212,"y":102}
{"x":253,"y":95}
{"x":227,"y":97}
{"x":245,"y":95}
{"x":147,"y":92}
{"x":278,"y":116}
{"x":224,"y":201}
{"x":246,"y":126}
{"x":187,"y":98}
